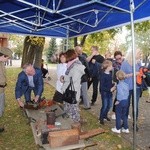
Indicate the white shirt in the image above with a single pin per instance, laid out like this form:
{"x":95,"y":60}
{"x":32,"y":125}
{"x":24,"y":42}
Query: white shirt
{"x":61,"y":69}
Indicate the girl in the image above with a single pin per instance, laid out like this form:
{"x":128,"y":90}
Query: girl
{"x":106,"y":89}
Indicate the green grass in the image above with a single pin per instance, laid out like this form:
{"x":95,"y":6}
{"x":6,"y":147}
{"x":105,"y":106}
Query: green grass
{"x":105,"y":141}
{"x":18,"y":135}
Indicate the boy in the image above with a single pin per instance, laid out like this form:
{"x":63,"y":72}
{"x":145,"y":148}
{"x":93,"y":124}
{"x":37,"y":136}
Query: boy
{"x":121,"y":104}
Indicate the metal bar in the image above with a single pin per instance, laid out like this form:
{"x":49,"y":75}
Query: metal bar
{"x":20,"y":25}
{"x":140,"y":4}
{"x":77,"y":6}
{"x":134,"y":71}
{"x":21,"y":19}
{"x":53,"y":5}
{"x":45,"y":11}
{"x":20,"y":10}
{"x":76,"y":20}
{"x":58,"y":25}
{"x":67,"y":42}
{"x":36,"y":6}
{"x":39,"y":21}
{"x":112,"y":6}
{"x":106,"y":14}
{"x":58,"y":6}
{"x":70,"y":16}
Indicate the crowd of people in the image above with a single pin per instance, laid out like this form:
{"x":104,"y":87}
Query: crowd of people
{"x":108,"y":76}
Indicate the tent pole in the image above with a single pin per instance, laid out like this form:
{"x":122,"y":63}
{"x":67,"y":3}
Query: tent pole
{"x":134,"y":71}
{"x":67,"y":43}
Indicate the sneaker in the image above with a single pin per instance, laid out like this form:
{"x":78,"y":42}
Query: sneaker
{"x":125,"y":130}
{"x":115,"y":130}
{"x":129,"y":117}
{"x":86,"y":108}
{"x":113,"y":117}
{"x":107,"y":119}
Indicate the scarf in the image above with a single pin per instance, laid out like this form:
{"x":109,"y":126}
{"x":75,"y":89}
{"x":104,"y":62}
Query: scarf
{"x":71,"y":64}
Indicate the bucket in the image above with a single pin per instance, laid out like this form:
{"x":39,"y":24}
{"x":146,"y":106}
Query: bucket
{"x":50,"y":118}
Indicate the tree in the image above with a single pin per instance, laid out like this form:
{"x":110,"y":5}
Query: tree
{"x":63,"y":44}
{"x":16,"y":44}
{"x":100,"y":39}
{"x":142,"y":38}
{"x":51,"y":50}
{"x":32,"y":50}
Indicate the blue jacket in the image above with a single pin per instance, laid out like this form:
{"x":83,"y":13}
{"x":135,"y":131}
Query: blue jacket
{"x":22,"y":84}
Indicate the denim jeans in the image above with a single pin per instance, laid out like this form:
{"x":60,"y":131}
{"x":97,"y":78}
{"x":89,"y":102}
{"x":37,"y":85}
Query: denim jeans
{"x":120,"y":111}
{"x":106,"y":104}
{"x":95,"y":82}
{"x":131,"y":94}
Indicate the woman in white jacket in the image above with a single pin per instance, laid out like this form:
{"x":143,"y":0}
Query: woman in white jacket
{"x":75,"y":69}
{"x":61,"y":69}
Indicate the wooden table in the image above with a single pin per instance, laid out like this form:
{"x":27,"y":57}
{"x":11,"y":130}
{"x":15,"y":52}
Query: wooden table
{"x":40,"y":116}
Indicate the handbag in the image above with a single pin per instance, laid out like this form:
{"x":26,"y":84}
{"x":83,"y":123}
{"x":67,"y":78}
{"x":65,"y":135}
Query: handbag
{"x":70,"y":94}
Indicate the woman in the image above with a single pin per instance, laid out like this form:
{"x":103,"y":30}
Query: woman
{"x":127,"y":67}
{"x":75,"y":69}
{"x":61,"y":69}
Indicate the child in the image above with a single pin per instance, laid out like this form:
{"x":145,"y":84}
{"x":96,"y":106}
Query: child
{"x":106,"y":89}
{"x":121,"y":104}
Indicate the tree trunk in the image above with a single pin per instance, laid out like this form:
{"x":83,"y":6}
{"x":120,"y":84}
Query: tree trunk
{"x":25,"y":50}
{"x":32,"y":53}
{"x":81,"y":42}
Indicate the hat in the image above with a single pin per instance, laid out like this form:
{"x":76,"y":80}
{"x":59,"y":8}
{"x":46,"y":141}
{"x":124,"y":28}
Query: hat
{"x":6,"y":51}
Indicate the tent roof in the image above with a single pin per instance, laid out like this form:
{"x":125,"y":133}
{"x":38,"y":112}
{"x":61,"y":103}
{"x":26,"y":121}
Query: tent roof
{"x":67,"y":18}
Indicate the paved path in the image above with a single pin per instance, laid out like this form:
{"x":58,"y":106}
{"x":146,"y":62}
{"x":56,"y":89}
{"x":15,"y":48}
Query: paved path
{"x":142,"y":136}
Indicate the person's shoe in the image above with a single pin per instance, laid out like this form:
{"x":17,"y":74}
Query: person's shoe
{"x":102,"y":121}
{"x":113,"y":117}
{"x":86,"y":108}
{"x":107,"y":119}
{"x":125,"y":130}
{"x":115,"y":130}
{"x":129,"y":117}
{"x":92,"y":103}
{"x":2,"y":129}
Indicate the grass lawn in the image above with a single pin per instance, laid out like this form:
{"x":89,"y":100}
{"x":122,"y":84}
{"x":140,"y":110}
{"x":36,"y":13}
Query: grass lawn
{"x":18,"y":135}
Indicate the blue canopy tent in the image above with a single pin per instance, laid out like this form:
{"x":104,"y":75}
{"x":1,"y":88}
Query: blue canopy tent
{"x":71,"y":18}
{"x":67,"y":18}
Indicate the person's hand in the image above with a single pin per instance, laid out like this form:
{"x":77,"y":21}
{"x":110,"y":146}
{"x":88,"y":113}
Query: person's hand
{"x":36,"y":98}
{"x":129,"y":75}
{"x":117,"y":102}
{"x":113,"y":89}
{"x":93,"y":61}
{"x":144,"y":76}
{"x":94,"y":53}
{"x":62,"y":79}
{"x":21,"y":104}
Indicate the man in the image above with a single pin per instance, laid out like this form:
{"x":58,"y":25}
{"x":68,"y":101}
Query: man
{"x":84,"y":80}
{"x":30,"y":79}
{"x":5,"y":54}
{"x":95,"y":60}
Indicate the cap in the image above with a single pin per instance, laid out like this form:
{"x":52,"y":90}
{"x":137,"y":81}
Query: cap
{"x":6,"y":51}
